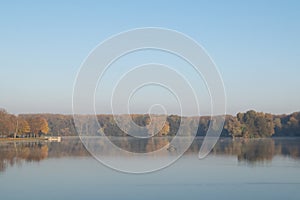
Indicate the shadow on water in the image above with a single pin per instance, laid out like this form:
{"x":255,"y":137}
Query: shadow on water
{"x":246,"y":150}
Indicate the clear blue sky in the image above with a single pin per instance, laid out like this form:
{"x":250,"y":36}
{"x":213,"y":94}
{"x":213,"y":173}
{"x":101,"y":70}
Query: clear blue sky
{"x":255,"y":44}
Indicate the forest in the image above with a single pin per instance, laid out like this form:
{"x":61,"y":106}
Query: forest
{"x":250,"y":124}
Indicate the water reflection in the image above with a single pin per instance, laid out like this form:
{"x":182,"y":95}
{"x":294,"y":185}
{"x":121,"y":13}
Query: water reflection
{"x":249,"y":151}
{"x":17,"y":153}
{"x":259,"y":150}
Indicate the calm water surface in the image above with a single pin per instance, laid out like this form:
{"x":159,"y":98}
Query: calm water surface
{"x":240,"y":169}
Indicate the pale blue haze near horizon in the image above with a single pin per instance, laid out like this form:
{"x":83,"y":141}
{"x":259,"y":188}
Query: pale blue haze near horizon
{"x":255,"y":44}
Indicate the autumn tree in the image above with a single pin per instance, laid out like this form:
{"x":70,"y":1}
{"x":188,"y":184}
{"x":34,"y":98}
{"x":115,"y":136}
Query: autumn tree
{"x":277,"y":124}
{"x":174,"y":124}
{"x":7,"y":123}
{"x":60,"y":124}
{"x":158,"y":126}
{"x":165,"y":129}
{"x":23,"y":127}
{"x":38,"y":125}
{"x":290,"y":125}
{"x":234,"y":127}
{"x":256,"y":124}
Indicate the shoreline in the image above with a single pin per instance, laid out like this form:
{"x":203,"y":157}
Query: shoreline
{"x":23,"y":139}
{"x":77,"y":137}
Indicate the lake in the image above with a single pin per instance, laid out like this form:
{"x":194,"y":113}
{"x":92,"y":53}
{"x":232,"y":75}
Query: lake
{"x":235,"y":169}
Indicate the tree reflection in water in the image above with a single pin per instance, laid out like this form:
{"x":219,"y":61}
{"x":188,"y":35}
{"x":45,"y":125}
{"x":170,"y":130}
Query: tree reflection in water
{"x":246,"y":150}
{"x":258,"y":150}
{"x":17,"y":152}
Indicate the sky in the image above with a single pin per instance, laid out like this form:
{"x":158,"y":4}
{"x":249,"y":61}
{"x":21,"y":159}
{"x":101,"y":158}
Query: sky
{"x":255,"y":45}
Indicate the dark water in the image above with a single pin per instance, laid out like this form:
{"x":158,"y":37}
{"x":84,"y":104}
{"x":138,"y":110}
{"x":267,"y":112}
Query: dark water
{"x":240,"y":169}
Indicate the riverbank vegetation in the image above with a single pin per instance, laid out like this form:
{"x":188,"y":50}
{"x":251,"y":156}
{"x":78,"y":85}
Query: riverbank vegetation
{"x":250,"y":124}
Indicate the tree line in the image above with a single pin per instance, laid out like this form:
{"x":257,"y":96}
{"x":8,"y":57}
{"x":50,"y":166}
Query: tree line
{"x":250,"y":124}
{"x":22,"y":125}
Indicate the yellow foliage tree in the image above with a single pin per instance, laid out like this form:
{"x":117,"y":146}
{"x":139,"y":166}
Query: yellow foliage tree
{"x":23,"y":127}
{"x":38,"y":125}
{"x":165,"y":129}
